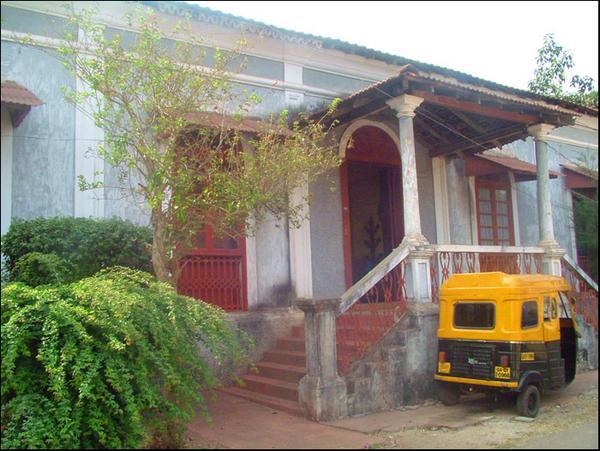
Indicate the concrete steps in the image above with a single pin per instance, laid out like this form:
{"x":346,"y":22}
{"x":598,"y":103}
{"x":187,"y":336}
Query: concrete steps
{"x":287,"y":373}
{"x":275,"y":384}
{"x":282,"y":405}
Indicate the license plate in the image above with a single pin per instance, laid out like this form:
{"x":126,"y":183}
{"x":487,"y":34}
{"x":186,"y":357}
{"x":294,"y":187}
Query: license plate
{"x":501,"y":373}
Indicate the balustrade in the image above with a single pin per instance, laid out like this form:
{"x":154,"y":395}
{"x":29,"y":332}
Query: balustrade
{"x":456,"y":259}
{"x":584,"y":290}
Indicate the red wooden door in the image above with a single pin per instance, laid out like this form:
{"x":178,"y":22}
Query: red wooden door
{"x":215,"y":271}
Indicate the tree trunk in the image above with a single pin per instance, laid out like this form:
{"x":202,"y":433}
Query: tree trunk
{"x":160,"y":259}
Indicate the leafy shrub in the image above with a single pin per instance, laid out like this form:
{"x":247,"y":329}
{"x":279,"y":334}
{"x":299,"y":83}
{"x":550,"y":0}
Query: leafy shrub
{"x":40,"y":269}
{"x":111,"y":361}
{"x":88,"y":245}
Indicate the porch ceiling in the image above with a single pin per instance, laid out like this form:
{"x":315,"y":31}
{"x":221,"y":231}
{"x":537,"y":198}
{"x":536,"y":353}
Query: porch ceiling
{"x":455,"y":117}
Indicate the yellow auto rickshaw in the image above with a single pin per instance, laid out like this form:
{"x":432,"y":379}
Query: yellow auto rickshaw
{"x":502,"y":333}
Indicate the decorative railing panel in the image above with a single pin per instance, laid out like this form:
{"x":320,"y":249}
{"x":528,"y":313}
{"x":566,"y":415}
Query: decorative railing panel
{"x":370,"y":308}
{"x":455,"y":259}
{"x":584,"y":290}
{"x":214,"y":279}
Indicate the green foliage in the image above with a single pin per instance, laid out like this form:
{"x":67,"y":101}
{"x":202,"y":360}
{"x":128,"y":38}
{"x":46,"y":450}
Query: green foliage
{"x":110,"y":361}
{"x":87,"y":245}
{"x":151,"y":96}
{"x":553,"y":62}
{"x":36,"y":269}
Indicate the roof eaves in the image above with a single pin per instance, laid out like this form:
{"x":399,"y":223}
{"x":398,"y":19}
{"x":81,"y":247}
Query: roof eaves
{"x":581,"y":170}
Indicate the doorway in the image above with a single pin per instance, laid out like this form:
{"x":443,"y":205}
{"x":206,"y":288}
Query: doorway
{"x":372,"y":201}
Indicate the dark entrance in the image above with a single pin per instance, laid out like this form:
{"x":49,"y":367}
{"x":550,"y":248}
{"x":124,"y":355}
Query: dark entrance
{"x":372,"y":197}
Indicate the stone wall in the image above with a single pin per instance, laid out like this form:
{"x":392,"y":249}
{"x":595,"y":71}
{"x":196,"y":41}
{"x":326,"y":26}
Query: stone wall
{"x":587,"y":347}
{"x":398,"y":370}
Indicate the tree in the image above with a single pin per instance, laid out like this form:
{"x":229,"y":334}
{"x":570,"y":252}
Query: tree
{"x":550,"y":76}
{"x":142,"y":92}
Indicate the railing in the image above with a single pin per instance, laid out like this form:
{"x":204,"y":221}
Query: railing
{"x":456,"y":259}
{"x":583,"y":289}
{"x":214,"y":279}
{"x":371,"y":307}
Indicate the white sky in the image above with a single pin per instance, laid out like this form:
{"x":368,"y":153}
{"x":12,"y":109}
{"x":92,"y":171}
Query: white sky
{"x":496,"y":41}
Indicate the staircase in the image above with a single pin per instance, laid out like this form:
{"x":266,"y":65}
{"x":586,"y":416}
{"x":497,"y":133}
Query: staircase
{"x":275,"y":385}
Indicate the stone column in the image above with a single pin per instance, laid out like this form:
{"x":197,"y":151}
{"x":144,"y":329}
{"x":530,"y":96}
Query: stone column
{"x":322,"y":391}
{"x":418,"y":270}
{"x":553,"y":252}
{"x":405,"y":106}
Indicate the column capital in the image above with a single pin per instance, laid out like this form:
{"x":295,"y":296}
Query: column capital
{"x":405,"y":105}
{"x":317,"y":305}
{"x":539,"y":131}
{"x":552,"y":249}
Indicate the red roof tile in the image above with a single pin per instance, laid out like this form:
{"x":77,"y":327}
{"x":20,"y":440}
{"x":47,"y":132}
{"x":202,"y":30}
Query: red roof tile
{"x":212,"y":119}
{"x":586,"y":172}
{"x":523,"y":170}
{"x":14,"y":93}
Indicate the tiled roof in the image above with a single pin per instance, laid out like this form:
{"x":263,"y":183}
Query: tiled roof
{"x":586,"y":172}
{"x":14,"y":93}
{"x":528,"y":170}
{"x":216,"y":120}
{"x":208,"y":15}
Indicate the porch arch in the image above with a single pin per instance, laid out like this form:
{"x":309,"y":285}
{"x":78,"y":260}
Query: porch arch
{"x":354,"y":126}
{"x":371,"y":194}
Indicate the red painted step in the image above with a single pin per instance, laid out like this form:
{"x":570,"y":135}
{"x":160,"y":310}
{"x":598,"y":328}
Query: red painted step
{"x":283,"y":405}
{"x":271,"y":387}
{"x":285,"y":357}
{"x":286,"y":373}
{"x":291,"y":344}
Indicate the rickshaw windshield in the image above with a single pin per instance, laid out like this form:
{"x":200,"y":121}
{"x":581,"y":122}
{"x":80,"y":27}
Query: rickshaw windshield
{"x":474,"y":315}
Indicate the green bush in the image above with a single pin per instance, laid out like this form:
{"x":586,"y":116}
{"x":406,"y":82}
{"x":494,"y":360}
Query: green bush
{"x":88,"y":245}
{"x":41,"y":269}
{"x":111,"y":361}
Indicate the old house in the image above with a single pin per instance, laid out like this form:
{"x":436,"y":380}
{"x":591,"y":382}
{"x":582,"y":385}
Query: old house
{"x":447,"y":173}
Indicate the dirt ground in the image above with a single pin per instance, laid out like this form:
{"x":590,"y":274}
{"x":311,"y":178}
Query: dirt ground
{"x":568,"y":419}
{"x":499,"y":429}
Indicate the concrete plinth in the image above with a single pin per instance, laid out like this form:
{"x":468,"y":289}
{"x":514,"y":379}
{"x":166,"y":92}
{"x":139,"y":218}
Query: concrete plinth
{"x":551,"y":260}
{"x":323,"y":399}
{"x":322,"y":392}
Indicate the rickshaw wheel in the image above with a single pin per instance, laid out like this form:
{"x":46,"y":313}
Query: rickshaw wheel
{"x":448,"y":394}
{"x":528,"y":402}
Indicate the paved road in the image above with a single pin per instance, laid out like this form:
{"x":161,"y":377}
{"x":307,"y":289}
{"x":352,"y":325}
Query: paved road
{"x":582,"y":437}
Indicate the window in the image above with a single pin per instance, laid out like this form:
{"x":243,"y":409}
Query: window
{"x":546,"y":308}
{"x":494,"y":213}
{"x":529,"y":314}
{"x":474,"y":315}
